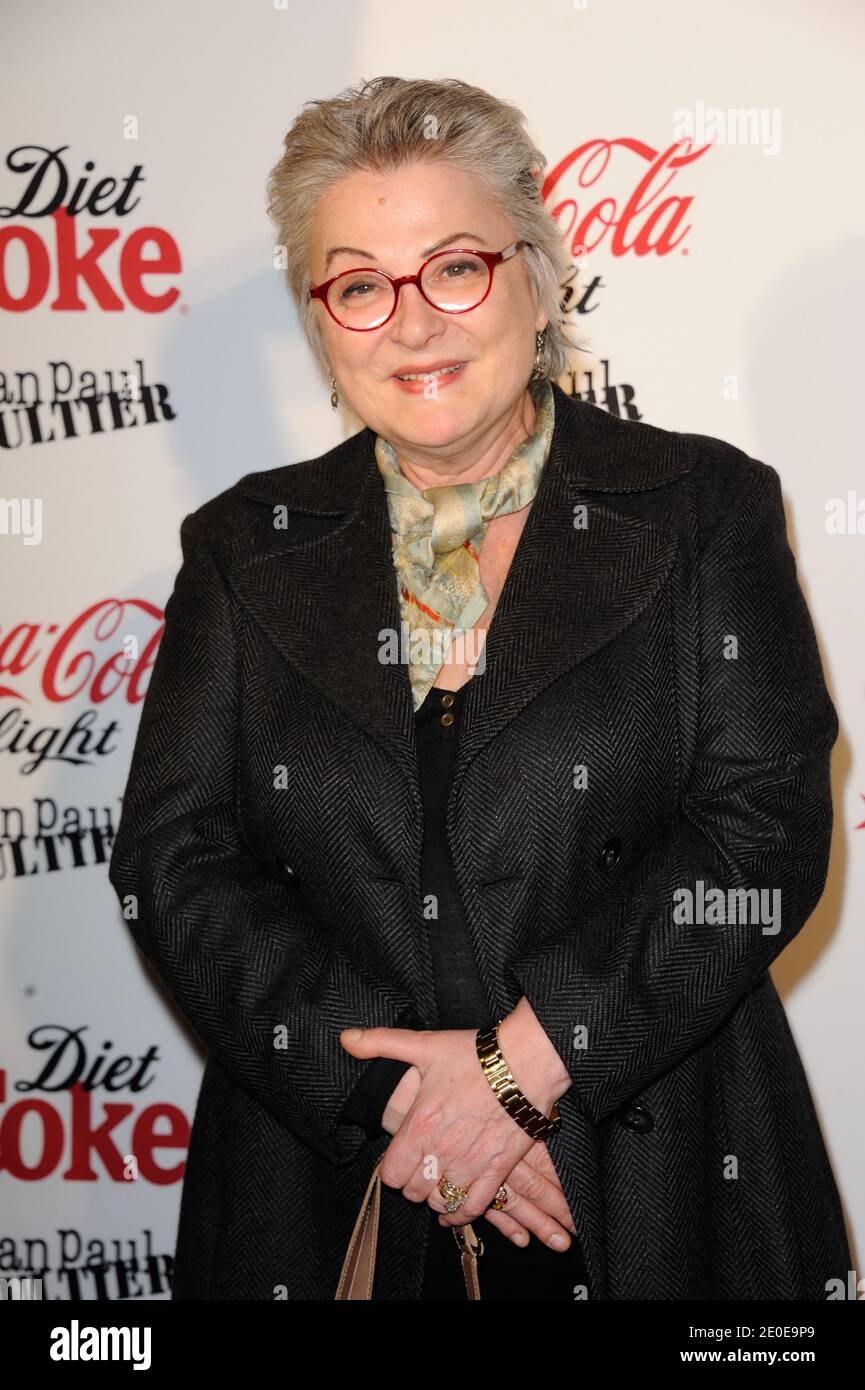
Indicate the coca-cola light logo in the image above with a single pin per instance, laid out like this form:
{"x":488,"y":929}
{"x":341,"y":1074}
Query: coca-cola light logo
{"x":95,"y":657}
{"x":640,"y":219}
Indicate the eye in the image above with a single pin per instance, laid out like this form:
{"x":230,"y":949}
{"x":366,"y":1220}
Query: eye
{"x":453,"y":270}
{"x":457,"y":270}
{"x":358,"y":289}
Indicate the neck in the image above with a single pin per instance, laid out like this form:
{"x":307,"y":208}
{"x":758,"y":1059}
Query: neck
{"x":469,"y":460}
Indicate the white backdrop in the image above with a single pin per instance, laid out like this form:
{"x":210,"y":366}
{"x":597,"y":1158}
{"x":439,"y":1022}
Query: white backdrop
{"x":744,"y":326}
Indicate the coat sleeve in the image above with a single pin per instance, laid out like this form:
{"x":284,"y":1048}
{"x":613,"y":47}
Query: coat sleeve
{"x":368,"y":1101}
{"x":630,"y":990}
{"x":264,"y":984}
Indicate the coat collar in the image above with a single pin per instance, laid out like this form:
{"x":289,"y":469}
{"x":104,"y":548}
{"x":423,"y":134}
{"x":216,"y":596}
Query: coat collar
{"x":325,"y":599}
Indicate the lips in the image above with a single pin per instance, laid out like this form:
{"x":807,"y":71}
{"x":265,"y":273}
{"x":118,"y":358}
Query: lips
{"x":432,"y":371}
{"x":430,"y":381}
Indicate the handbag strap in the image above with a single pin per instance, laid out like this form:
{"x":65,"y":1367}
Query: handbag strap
{"x":471,"y":1248}
{"x":358,"y":1267}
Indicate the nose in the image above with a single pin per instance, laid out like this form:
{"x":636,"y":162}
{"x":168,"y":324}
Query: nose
{"x":414,"y":321}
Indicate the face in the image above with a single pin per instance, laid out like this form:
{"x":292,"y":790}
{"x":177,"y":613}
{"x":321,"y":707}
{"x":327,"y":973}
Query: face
{"x":392,"y":220}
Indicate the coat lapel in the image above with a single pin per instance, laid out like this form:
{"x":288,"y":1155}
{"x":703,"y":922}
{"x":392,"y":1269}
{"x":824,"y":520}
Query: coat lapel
{"x":326,"y":598}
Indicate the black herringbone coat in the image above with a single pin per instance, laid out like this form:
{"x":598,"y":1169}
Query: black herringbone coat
{"x":272,"y":826}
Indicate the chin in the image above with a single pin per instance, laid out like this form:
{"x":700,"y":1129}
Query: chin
{"x":433,"y":423}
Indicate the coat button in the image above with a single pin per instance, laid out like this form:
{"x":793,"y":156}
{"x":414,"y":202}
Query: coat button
{"x":611,"y":854}
{"x":447,"y":720}
{"x":637,"y":1118}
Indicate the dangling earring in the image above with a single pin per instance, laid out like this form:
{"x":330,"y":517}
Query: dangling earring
{"x":538,"y":369}
{"x":334,"y":395}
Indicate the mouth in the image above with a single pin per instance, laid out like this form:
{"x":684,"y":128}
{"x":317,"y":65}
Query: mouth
{"x":438,"y":372}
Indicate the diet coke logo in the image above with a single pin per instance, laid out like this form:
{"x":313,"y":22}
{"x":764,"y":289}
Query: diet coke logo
{"x":35,"y":258}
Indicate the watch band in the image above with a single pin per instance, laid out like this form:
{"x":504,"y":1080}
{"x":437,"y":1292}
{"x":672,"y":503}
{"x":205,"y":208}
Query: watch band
{"x":507,"y":1092}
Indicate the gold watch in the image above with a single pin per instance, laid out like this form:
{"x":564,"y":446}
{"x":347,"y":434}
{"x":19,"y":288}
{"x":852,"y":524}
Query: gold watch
{"x":506,"y":1090}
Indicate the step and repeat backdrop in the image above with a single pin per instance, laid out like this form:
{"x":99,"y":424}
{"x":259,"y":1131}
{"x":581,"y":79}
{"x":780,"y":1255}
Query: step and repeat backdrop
{"x":704,"y":167}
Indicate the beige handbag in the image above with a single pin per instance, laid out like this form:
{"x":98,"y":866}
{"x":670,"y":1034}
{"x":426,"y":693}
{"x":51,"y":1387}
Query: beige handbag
{"x":358,"y":1269}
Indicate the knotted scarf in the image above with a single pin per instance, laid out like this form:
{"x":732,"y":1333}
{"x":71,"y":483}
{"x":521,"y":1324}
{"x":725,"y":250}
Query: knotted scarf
{"x":437,"y":536}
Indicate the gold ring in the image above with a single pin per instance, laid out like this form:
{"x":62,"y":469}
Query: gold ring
{"x":500,"y":1200}
{"x":452,"y":1195}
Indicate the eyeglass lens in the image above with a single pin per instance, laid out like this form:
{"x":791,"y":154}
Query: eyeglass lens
{"x":451,"y":282}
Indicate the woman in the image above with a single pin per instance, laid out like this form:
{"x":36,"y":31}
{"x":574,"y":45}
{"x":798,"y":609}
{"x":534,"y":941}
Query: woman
{"x":501,"y":712}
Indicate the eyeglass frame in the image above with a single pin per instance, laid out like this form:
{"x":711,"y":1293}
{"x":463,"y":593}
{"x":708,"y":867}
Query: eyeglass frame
{"x":491,"y":259}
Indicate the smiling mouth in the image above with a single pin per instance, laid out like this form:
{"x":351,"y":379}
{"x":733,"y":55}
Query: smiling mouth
{"x":429,"y":376}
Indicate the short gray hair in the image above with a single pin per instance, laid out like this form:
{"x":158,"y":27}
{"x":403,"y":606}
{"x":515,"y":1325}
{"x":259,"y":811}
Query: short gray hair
{"x":388,"y":122}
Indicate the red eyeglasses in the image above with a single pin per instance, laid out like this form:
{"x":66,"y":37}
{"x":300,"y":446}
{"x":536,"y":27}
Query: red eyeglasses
{"x":452,"y":281}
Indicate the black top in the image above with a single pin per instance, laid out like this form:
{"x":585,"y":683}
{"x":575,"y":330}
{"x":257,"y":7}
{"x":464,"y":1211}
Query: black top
{"x":461,"y":999}
{"x":506,"y":1272}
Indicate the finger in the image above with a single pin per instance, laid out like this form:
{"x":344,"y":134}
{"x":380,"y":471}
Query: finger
{"x":506,"y":1224}
{"x":542,"y":1192}
{"x":509,"y":1227}
{"x":418,"y":1186}
{"x":430,"y":1192}
{"x":403,"y":1044}
{"x":481,"y":1191}
{"x":526,"y":1186}
{"x":553,"y":1205}
{"x":539,"y":1157}
{"x":403,"y":1165}
{"x":503,"y":1221}
{"x":547,"y":1230}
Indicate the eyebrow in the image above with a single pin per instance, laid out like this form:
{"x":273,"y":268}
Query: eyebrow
{"x":429,"y":251}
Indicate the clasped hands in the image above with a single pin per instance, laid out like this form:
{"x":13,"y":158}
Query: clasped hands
{"x":444,"y":1107}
